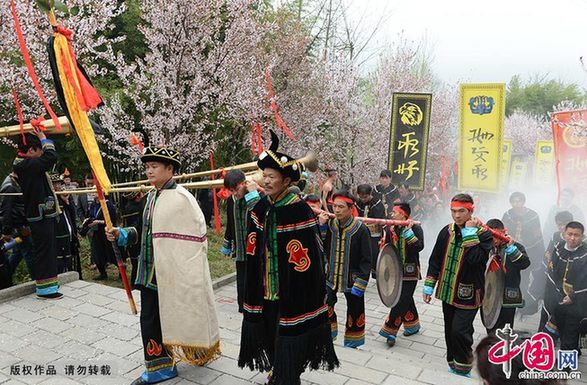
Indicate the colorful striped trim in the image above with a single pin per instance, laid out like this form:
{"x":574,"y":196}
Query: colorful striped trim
{"x":183,"y":237}
{"x":258,"y":224}
{"x":430,"y":281}
{"x":360,"y":284}
{"x":411,"y":238}
{"x":334,"y":330}
{"x":412,"y":324}
{"x":47,"y":281}
{"x":340,"y":246}
{"x":354,"y":339}
{"x":515,"y":256}
{"x":388,"y":332}
{"x":159,"y":363}
{"x":253,"y":309}
{"x":303,"y":317}
{"x":470,"y":241}
{"x":462,"y":368}
{"x":297,"y":226}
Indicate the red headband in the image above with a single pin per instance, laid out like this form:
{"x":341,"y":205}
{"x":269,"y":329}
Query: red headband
{"x":345,"y":200}
{"x":350,"y":202}
{"x":401,"y":211}
{"x":458,"y":204}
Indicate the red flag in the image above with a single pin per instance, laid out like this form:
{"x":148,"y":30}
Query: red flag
{"x":569,"y":131}
{"x":278,"y":119}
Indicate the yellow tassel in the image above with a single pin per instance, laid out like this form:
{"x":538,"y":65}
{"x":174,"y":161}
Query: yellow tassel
{"x":193,"y":355}
{"x":79,"y":117}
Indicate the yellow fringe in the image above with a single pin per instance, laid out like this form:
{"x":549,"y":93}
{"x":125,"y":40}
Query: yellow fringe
{"x":194,"y":355}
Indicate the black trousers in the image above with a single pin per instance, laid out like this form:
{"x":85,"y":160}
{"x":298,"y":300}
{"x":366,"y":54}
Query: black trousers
{"x":458,"y":335}
{"x":506,"y":316}
{"x":155,"y":354}
{"x":44,"y":249}
{"x":240,"y":283}
{"x":103,"y":248}
{"x":404,"y":312}
{"x":568,"y":318}
{"x":354,"y":334}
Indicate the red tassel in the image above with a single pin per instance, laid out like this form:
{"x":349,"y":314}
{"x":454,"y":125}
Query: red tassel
{"x":136,"y":142}
{"x":494,"y":265}
{"x":20,"y":117}
{"x":259,"y":140}
{"x":214,"y":198}
{"x":29,"y":66}
{"x":36,"y":123}
{"x":87,"y":95}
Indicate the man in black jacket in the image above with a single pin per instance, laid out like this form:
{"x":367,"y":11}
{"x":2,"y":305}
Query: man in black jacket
{"x":37,"y":156}
{"x":13,"y":223}
{"x":512,"y":258}
{"x":348,"y":252}
{"x":565,"y":297}
{"x":457,"y":264}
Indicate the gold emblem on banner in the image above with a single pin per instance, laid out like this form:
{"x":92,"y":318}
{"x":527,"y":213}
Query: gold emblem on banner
{"x":411,"y":114}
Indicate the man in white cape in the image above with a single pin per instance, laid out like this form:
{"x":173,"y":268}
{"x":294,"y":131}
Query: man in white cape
{"x":178,"y":318}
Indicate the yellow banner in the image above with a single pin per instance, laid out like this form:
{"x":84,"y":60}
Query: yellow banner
{"x":506,"y":161}
{"x":544,"y":162}
{"x":481,"y":136}
{"x":519,"y":172}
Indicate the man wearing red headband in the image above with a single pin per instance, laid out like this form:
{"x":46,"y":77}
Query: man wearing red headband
{"x":458,"y":264}
{"x":408,"y":241}
{"x":348,"y":251}
{"x":512,"y":258}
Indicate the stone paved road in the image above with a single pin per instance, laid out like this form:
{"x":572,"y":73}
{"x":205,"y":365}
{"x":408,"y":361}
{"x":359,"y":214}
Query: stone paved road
{"x":92,"y":325}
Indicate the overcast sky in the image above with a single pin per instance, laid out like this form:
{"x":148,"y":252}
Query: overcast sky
{"x":487,"y":41}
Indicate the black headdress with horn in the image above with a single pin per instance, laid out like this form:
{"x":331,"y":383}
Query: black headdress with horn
{"x":288,"y":166}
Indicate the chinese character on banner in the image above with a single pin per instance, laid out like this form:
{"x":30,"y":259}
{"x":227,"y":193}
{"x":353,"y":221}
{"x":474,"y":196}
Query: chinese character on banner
{"x":481,"y":136}
{"x":569,"y":132}
{"x":544,"y":163}
{"x":408,"y":144}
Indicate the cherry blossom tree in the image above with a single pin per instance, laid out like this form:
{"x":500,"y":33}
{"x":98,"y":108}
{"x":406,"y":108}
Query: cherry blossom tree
{"x":89,"y":25}
{"x":201,"y":76}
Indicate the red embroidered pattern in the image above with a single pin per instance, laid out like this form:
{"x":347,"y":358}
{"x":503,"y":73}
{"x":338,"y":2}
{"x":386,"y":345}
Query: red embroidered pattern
{"x":153,"y":348}
{"x":251,"y":243}
{"x":298,"y":255}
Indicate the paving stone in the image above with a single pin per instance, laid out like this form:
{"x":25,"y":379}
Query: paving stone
{"x":388,"y":365}
{"x":83,"y":335}
{"x":226,"y":379}
{"x":6,"y":307}
{"x":22,"y":315}
{"x":52,"y":325}
{"x":122,"y":319}
{"x":324,"y":378}
{"x":71,"y":292}
{"x":17,"y":329}
{"x":59,"y":313}
{"x":92,"y":310}
{"x":437,"y":377}
{"x":96,"y":299}
{"x":358,"y":372}
{"x":45,"y":339}
{"x":32,"y":303}
{"x":59,"y":380}
{"x":115,"y":346}
{"x":36,"y":354}
{"x":79,"y":351}
{"x":10,"y":343}
{"x":198,"y":374}
{"x":229,"y":366}
{"x":86,"y":321}
{"x":121,"y":332}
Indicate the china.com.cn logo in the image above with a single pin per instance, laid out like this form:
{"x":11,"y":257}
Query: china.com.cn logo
{"x":538,"y":356}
